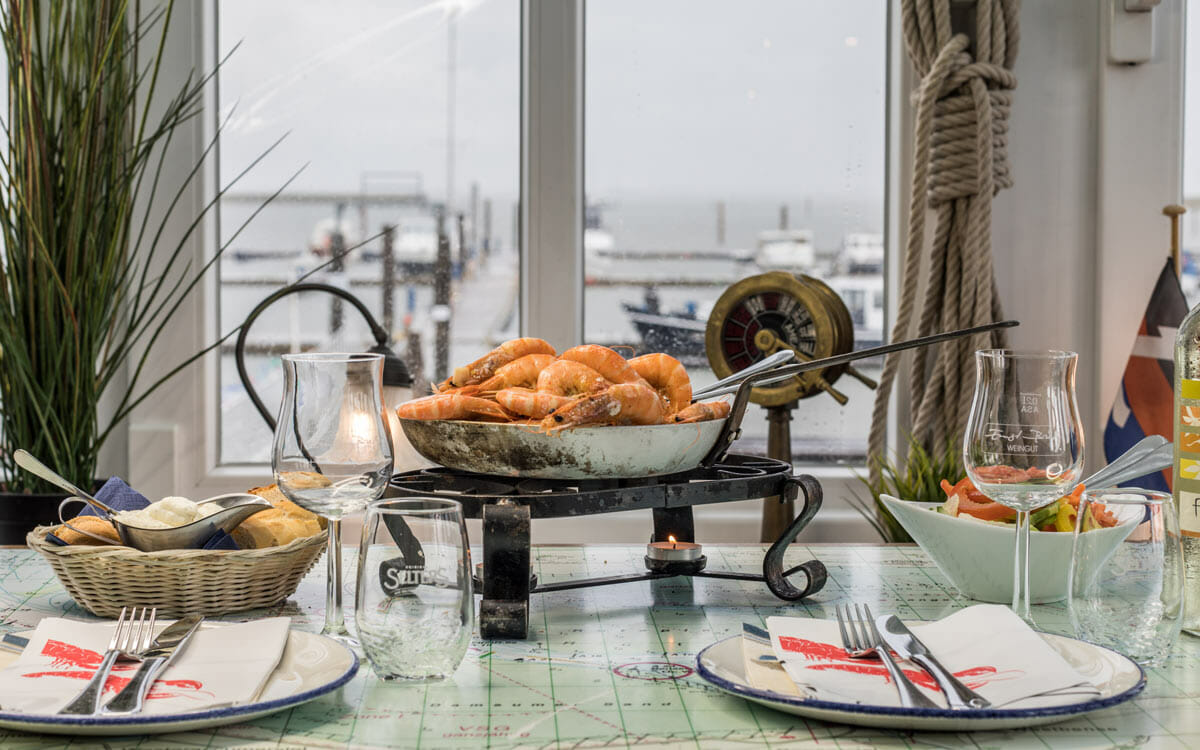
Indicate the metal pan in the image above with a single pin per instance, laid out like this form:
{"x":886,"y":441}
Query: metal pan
{"x":611,"y":452}
{"x":608,"y":452}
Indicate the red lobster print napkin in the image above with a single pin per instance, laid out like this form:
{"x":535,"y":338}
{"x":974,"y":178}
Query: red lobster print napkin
{"x":221,"y":665}
{"x":986,"y":646}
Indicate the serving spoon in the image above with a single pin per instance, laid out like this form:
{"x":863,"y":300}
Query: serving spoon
{"x":235,"y":508}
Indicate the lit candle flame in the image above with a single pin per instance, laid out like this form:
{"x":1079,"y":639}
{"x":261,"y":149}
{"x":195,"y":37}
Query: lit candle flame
{"x":671,"y":539}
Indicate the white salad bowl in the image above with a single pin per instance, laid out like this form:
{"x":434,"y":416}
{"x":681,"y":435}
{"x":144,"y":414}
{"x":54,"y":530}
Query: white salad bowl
{"x":977,"y":556}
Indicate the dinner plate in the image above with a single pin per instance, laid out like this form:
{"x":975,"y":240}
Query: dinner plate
{"x":723,"y":665}
{"x":311,"y":666}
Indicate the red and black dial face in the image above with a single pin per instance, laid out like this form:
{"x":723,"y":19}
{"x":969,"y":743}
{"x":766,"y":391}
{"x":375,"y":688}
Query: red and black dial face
{"x":779,"y":313}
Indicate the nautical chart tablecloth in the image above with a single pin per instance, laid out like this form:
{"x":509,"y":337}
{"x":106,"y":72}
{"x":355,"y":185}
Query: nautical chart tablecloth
{"x":612,"y":667}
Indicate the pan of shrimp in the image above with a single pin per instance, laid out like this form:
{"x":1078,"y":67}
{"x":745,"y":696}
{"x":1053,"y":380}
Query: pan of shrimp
{"x":524,"y":409}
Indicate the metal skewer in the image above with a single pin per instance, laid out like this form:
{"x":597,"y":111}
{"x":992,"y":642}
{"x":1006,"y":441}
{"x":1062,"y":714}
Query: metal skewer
{"x":732,"y":429}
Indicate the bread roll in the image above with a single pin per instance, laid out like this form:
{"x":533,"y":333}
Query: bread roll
{"x":284,"y":523}
{"x":91,"y":524}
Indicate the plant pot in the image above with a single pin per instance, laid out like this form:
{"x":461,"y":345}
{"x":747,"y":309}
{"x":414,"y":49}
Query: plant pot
{"x":20,"y":513}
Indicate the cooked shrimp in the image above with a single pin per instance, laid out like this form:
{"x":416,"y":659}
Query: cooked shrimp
{"x":486,"y":366}
{"x":451,"y":406}
{"x":702,"y":412}
{"x":531,"y":403}
{"x":622,"y":404}
{"x":612,"y":366}
{"x":520,"y":373}
{"x":564,"y":377}
{"x":666,"y":375}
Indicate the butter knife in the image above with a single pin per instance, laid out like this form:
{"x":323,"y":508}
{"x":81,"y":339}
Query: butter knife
{"x":901,"y":640}
{"x":164,"y":649}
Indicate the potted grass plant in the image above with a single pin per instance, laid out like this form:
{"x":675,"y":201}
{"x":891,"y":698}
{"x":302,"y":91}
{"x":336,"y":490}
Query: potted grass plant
{"x":917,"y":479}
{"x":89,"y":276}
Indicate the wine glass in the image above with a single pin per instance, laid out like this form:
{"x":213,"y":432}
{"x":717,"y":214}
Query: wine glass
{"x":332,"y":453}
{"x":1023,"y":446}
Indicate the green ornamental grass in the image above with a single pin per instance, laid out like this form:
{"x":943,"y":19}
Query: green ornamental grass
{"x":89,"y":276}
{"x":918,"y":479}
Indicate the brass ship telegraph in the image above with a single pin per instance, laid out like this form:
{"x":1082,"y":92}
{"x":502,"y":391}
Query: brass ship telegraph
{"x":761,"y":315}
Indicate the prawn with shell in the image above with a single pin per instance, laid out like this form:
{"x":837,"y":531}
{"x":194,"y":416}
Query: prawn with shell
{"x":611,"y":416}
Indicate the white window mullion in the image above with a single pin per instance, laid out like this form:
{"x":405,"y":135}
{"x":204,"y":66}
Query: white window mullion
{"x":552,"y":49}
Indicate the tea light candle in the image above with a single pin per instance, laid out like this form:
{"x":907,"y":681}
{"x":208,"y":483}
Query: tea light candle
{"x":673,"y":551}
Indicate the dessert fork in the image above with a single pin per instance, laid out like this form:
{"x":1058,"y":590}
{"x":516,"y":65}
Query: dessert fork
{"x":129,"y":639}
{"x":860,"y":639}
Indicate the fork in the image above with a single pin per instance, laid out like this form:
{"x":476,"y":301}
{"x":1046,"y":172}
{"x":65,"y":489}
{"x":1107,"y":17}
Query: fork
{"x":129,"y":639}
{"x":859,"y":645}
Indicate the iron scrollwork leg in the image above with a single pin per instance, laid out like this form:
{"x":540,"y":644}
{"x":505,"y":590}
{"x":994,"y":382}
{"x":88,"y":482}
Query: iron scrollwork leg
{"x":814,"y":570}
{"x":504,"y":611}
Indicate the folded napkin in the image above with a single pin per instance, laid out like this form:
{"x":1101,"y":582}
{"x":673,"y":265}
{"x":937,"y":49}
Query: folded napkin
{"x":118,"y":495}
{"x":221,"y":665}
{"x":986,"y":646}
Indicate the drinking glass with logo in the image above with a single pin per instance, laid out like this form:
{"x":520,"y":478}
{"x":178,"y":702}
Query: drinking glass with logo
{"x":413,"y":607}
{"x":332,"y":453}
{"x":1023,"y":446}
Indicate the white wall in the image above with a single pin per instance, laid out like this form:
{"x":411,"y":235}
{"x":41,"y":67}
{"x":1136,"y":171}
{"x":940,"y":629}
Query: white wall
{"x":1080,"y":239}
{"x":1044,"y":228}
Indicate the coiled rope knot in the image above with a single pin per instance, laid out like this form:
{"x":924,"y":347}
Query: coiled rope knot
{"x":960,"y":160}
{"x":967,"y":96}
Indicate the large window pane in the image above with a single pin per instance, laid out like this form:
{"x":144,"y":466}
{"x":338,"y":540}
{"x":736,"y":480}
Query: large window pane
{"x":398,"y":111}
{"x":724,"y":140}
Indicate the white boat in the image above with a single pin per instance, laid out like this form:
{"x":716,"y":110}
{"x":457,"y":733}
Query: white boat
{"x":863,"y":295}
{"x":416,"y":245}
{"x":786,"y":250}
{"x":324,"y":235}
{"x":862,"y":252}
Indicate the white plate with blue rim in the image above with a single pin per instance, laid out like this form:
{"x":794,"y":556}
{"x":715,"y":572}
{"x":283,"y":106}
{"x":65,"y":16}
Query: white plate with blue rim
{"x":723,"y":664}
{"x":312,"y":665}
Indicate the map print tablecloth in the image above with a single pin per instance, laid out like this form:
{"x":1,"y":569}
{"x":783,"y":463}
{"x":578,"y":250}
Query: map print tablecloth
{"x":612,"y":667}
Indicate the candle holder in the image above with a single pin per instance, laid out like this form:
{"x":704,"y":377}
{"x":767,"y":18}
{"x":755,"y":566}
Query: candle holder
{"x":677,"y":558}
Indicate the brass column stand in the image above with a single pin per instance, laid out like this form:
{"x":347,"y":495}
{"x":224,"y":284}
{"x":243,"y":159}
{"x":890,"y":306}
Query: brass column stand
{"x":777,"y":511}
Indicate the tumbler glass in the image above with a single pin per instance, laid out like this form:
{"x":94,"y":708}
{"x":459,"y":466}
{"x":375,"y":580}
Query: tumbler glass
{"x":414,"y":607}
{"x":1126,"y":578}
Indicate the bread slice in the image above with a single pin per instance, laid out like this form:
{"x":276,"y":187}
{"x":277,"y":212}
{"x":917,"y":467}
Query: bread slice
{"x":280,"y":525}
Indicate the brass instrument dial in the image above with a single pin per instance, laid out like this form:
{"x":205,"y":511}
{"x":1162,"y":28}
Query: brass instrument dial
{"x":762,"y":314}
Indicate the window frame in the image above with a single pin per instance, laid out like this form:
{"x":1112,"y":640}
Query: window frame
{"x":182,"y":421}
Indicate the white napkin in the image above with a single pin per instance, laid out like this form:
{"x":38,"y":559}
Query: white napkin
{"x":221,"y":665}
{"x":986,"y":646}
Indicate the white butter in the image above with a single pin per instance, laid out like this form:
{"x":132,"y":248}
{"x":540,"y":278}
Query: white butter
{"x":168,"y":513}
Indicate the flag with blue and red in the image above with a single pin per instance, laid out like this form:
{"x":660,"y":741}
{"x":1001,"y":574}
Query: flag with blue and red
{"x":1147,"y":394}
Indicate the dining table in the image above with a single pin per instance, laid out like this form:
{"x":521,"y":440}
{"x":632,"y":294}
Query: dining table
{"x":614,"y":666}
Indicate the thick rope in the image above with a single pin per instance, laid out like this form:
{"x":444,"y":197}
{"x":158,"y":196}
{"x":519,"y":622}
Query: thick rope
{"x":960,"y":161}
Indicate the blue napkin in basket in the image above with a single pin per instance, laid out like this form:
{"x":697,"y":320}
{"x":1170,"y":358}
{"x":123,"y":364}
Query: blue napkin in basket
{"x":118,"y":495}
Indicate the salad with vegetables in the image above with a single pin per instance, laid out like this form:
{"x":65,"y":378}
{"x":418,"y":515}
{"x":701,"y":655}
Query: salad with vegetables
{"x":963,"y":500}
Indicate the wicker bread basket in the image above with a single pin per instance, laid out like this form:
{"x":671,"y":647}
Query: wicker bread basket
{"x":102,"y":579}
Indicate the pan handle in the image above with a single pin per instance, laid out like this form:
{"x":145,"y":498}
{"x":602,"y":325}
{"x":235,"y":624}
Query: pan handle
{"x":733,"y":423}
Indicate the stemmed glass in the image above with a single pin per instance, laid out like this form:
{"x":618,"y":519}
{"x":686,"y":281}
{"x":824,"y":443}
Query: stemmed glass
{"x":1023,"y":446}
{"x":332,"y":453}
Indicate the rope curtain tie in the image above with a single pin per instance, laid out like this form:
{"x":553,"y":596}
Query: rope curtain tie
{"x":971,"y":93}
{"x":960,"y":161}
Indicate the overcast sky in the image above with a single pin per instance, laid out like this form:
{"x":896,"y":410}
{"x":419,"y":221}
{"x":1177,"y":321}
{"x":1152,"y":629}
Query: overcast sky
{"x":685,"y":98}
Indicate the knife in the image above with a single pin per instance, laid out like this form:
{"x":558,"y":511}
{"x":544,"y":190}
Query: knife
{"x":165,"y":648}
{"x":901,"y":640}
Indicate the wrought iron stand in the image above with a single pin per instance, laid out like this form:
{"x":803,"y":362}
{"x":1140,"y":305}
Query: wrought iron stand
{"x":508,"y":507}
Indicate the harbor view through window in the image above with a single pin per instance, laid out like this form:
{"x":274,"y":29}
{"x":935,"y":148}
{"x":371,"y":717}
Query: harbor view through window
{"x":721,"y":145}
{"x":717,"y":147}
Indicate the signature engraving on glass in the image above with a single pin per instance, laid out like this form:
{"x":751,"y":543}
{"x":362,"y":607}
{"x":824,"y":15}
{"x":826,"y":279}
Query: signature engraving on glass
{"x":1032,"y":440}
